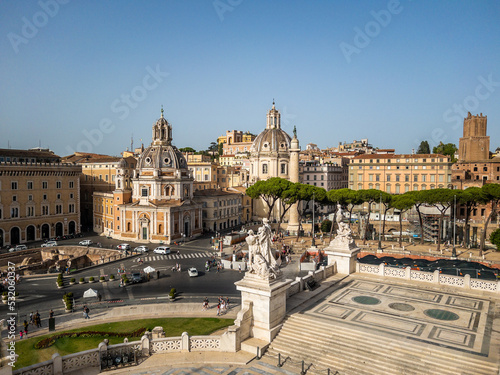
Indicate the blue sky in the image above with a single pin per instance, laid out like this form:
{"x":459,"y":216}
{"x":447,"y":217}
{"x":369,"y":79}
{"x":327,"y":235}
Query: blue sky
{"x":89,"y":75}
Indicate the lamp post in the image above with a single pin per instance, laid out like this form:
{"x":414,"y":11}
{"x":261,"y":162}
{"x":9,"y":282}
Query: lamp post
{"x":313,"y":242}
{"x":454,"y":250}
{"x":380,"y":224}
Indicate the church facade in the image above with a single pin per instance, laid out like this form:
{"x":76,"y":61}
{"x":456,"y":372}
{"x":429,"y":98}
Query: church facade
{"x":158,"y":205}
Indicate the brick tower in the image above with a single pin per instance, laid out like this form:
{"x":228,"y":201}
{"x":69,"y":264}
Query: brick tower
{"x":475,"y":144}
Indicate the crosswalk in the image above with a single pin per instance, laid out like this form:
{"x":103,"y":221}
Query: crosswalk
{"x":152,"y":258}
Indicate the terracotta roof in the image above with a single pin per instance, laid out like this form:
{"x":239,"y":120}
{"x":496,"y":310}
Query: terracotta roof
{"x":399,"y":156}
{"x":212,"y":192}
{"x":28,"y":153}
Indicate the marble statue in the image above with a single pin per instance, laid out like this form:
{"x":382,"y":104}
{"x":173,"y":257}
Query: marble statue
{"x":344,"y":232}
{"x":260,"y":254}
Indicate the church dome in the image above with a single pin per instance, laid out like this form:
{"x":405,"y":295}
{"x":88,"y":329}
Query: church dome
{"x":161,"y":154}
{"x":272,"y":139}
{"x":162,"y":157}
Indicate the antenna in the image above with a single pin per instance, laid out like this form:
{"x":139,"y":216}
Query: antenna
{"x":132,"y":143}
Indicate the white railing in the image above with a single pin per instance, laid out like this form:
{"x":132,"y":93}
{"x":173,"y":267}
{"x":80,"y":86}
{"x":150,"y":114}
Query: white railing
{"x":435,"y":277}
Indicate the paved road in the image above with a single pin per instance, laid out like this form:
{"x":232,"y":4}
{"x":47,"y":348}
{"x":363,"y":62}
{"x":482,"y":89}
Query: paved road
{"x":41,"y":293}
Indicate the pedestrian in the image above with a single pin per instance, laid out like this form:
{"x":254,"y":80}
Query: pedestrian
{"x":218,"y":309}
{"x":51,"y":313}
{"x":99,"y":297}
{"x":31,"y":318}
{"x":38,"y":320}
{"x":21,"y":335}
{"x":25,"y":328}
{"x":158,"y":275}
{"x":85,"y":313}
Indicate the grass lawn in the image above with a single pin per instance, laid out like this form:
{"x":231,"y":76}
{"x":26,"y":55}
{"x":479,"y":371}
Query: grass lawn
{"x":28,"y":355}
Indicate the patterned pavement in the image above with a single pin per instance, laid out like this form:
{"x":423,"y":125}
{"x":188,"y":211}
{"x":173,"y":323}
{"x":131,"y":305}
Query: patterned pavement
{"x":434,"y":317}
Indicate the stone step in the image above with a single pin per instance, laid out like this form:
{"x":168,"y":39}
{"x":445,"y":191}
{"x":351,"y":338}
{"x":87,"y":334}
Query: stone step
{"x":353,"y":332}
{"x":362,"y":347}
{"x":381,"y":339}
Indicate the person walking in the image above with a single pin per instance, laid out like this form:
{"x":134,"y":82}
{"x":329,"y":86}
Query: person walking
{"x":51,"y":313}
{"x":31,"y":318}
{"x":38,"y":320}
{"x":218,"y":310}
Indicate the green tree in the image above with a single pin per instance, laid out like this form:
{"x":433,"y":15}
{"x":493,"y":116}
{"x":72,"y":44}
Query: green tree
{"x":385,"y":200}
{"x":419,"y":201}
{"x":220,"y":149}
{"x":491,"y":193}
{"x":270,"y":190}
{"x":470,"y":197}
{"x":187,"y":149}
{"x":442,"y":199}
{"x":495,"y":238}
{"x":424,"y":148}
{"x":287,"y":197}
{"x":446,"y":149}
{"x":214,"y":147}
{"x":369,"y":196}
{"x":326,"y":225}
{"x":303,"y":192}
{"x":403,"y":203}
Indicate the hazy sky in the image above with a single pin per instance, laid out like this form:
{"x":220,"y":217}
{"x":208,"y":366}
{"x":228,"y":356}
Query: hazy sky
{"x":87,"y":75}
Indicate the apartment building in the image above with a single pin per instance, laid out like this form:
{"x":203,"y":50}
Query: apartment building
{"x":397,"y":174}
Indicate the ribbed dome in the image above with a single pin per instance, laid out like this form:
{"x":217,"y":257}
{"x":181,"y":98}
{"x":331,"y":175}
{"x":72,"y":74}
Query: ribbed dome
{"x":161,"y":157}
{"x":271,"y":140}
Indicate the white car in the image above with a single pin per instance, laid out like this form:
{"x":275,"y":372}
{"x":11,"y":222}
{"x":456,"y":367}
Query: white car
{"x":162,"y":250}
{"x":18,"y":248}
{"x":141,"y":249}
{"x":192,"y":272}
{"x":85,"y":243}
{"x":123,"y":246}
{"x":49,"y":244}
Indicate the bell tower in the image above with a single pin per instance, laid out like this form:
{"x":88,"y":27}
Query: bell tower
{"x":475,"y":144}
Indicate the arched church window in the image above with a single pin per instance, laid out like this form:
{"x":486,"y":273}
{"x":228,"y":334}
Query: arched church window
{"x":283,"y":168}
{"x":264,"y":168}
{"x":129,"y":227}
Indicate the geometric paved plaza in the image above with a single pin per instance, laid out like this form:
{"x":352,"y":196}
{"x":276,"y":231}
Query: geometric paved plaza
{"x":433,"y":317}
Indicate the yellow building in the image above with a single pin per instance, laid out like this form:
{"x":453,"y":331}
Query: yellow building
{"x":159,"y":205}
{"x":98,"y":175}
{"x":397,"y":174}
{"x":39,"y":196}
{"x":221,"y":208}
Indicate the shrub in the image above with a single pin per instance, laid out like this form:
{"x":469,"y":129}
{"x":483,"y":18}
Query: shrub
{"x":60,"y":276}
{"x":82,"y":279}
{"x":326,"y":226}
{"x":111,"y":277}
{"x":49,"y":341}
{"x":72,"y":280}
{"x":102,"y":278}
{"x":5,"y":294}
{"x":91,"y":278}
{"x":60,"y":283}
{"x":495,"y":238}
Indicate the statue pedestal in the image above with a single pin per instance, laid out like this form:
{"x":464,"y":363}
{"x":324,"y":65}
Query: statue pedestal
{"x":268,"y":301}
{"x":344,"y":254}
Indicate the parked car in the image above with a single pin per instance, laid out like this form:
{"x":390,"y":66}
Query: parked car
{"x":18,"y":248}
{"x":123,"y":246}
{"x":162,"y":250}
{"x":136,"y":277}
{"x":49,"y":244}
{"x":85,"y":243}
{"x":141,"y":249}
{"x":192,"y":272}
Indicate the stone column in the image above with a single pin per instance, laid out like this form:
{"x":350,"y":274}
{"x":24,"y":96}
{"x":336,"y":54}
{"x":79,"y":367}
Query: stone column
{"x":293,"y":170}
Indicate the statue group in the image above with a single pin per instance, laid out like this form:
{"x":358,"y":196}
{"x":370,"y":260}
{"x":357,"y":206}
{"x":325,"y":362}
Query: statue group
{"x":260,"y":255}
{"x":343,"y":238}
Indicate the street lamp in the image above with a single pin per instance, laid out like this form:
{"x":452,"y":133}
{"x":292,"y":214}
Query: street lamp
{"x":313,"y":242}
{"x":454,"y":250}
{"x":380,"y":224}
